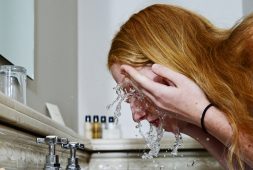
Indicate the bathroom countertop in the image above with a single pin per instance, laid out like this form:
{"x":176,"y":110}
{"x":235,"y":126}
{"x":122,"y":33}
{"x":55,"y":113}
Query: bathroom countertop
{"x":138,"y":143}
{"x":22,"y":117}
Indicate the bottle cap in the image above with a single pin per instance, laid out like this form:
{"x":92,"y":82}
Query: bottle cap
{"x":95,"y":118}
{"x":88,"y":118}
{"x":111,"y":119}
{"x":103,"y":119}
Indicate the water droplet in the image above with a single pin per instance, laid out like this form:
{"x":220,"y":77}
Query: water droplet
{"x":177,"y":143}
{"x":153,"y":136}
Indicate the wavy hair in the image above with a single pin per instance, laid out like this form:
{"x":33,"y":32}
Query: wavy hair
{"x":220,"y":61}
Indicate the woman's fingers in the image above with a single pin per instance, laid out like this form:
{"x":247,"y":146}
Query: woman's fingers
{"x":170,"y":75}
{"x":143,"y":81}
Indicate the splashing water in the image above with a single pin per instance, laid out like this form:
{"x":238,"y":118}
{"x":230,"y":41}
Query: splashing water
{"x":152,"y":139}
{"x":177,"y":143}
{"x":121,"y":96}
{"x":154,"y":135}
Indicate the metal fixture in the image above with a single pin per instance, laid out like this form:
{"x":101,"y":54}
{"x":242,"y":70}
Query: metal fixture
{"x":73,"y":161}
{"x":52,"y":160}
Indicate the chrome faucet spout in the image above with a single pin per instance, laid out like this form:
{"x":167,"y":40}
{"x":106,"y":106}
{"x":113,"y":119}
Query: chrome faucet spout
{"x":73,"y":161}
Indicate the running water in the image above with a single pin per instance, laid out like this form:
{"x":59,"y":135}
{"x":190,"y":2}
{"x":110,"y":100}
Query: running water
{"x":121,"y":96}
{"x":152,"y":139}
{"x":154,"y":135}
{"x":178,"y":143}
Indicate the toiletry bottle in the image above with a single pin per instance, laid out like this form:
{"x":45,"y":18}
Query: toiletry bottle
{"x":96,"y":128}
{"x":103,"y":126}
{"x":88,"y":127}
{"x":113,"y":130}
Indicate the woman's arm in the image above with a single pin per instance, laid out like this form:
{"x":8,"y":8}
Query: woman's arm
{"x":211,"y":144}
{"x":182,"y":96}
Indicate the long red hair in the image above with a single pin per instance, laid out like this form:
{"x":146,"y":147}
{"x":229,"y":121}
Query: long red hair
{"x":220,"y":61}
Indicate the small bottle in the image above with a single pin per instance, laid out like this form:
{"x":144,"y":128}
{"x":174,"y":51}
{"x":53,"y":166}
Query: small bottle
{"x":88,"y":127}
{"x":111,"y":123}
{"x":113,"y":130}
{"x":103,"y":126}
{"x":96,"y":128}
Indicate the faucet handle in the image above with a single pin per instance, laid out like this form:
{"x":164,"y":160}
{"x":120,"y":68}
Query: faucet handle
{"x":62,"y":141}
{"x":73,"y":145}
{"x":52,"y":140}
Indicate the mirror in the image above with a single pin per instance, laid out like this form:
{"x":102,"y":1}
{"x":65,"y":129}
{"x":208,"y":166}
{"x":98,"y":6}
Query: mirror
{"x":17,"y":33}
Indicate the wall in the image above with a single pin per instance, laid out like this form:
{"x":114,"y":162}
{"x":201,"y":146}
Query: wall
{"x":247,"y":6}
{"x":98,"y":21}
{"x":55,"y":58}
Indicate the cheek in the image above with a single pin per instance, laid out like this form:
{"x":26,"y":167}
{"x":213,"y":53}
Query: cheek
{"x":140,"y":107}
{"x":136,"y":106}
{"x":138,"y":113}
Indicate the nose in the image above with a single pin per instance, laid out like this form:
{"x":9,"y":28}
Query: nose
{"x":137,"y":113}
{"x":137,"y":117}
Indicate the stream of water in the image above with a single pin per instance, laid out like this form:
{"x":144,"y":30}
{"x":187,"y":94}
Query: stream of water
{"x":154,"y":134}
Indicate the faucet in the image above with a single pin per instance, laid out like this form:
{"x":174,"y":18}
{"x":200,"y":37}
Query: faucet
{"x":52,"y":160}
{"x":73,"y":161}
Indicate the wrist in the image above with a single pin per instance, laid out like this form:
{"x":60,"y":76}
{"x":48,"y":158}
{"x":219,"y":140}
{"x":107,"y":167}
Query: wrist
{"x":218,"y":125}
{"x":199,"y":108}
{"x":202,"y":119}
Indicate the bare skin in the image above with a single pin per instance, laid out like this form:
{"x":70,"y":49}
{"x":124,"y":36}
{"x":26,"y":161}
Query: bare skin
{"x":182,"y":96}
{"x":215,"y":147}
{"x":155,"y":89}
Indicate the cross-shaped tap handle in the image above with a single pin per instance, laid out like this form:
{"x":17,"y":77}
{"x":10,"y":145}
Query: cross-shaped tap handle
{"x":52,"y":141}
{"x":73,"y":146}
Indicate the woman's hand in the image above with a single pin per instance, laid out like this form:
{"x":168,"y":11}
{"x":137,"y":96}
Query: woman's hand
{"x":178,"y":93}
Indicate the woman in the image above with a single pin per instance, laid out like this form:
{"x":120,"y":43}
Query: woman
{"x":200,"y":74}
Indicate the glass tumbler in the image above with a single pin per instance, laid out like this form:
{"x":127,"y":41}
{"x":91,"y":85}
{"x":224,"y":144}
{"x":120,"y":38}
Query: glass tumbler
{"x":13,"y":82}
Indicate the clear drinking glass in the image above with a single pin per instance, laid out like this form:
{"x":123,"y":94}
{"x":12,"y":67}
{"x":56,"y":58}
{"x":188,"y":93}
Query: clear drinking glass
{"x":13,"y":82}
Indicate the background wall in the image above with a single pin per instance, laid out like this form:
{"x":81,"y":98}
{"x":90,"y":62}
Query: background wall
{"x":55,"y":58}
{"x":247,"y":6}
{"x":95,"y":31}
